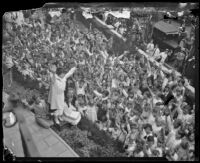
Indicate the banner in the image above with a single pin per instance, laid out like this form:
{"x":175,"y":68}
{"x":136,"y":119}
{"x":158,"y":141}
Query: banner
{"x":117,"y":14}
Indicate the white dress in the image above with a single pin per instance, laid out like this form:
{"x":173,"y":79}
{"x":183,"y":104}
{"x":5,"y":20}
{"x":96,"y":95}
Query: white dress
{"x":91,"y":113}
{"x":56,"y":94}
{"x":71,"y":115}
{"x":80,"y":90}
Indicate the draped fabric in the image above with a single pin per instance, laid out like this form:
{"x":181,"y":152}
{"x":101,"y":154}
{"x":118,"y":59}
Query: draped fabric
{"x":56,"y":94}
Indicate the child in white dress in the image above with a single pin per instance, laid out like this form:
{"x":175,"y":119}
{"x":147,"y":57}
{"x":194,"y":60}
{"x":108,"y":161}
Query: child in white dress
{"x":80,"y":87}
{"x":91,"y":112}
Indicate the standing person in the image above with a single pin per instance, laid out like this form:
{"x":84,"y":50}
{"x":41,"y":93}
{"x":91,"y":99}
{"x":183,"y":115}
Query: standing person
{"x":164,"y":56}
{"x":81,"y":104}
{"x":179,"y":60}
{"x":57,"y":88}
{"x":91,"y":112}
{"x":150,"y":47}
{"x":80,"y":87}
{"x":156,"y":51}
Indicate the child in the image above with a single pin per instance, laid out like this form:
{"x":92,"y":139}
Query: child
{"x":91,"y":112}
{"x":70,"y":113}
{"x":149,"y":146}
{"x":80,"y":87}
{"x":147,"y":132}
{"x":81,"y":104}
{"x":131,"y":139}
{"x":181,"y":83}
{"x":116,"y":132}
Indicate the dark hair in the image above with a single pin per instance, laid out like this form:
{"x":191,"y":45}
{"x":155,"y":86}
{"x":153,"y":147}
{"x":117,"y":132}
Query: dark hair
{"x":59,"y":71}
{"x":106,"y":93}
{"x":148,"y":125}
{"x":182,"y":81}
{"x":184,"y":145}
{"x":166,"y":131}
{"x":150,"y":139}
{"x":181,"y":133}
{"x":63,"y":11}
{"x":177,"y":123}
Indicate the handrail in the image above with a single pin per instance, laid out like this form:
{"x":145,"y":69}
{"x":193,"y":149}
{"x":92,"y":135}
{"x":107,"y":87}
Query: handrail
{"x":109,"y":28}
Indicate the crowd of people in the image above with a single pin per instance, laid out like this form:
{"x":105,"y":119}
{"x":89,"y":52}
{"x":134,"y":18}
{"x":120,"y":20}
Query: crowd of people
{"x":127,"y":96}
{"x":139,"y":29}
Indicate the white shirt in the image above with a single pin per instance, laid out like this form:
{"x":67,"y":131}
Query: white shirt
{"x":114,"y":83}
{"x":156,"y":100}
{"x":156,"y":53}
{"x":160,"y":151}
{"x":117,"y":24}
{"x":187,"y":118}
{"x":150,"y":48}
{"x":155,"y":128}
{"x":141,"y":154}
{"x":151,"y":119}
{"x":164,"y":56}
{"x":172,"y":141}
{"x":20,"y":18}
{"x":164,"y":83}
{"x":80,"y":90}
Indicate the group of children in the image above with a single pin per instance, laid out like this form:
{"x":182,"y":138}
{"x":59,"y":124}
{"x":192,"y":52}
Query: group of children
{"x":127,"y":96}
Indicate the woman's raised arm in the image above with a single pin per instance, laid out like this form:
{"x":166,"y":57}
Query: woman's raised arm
{"x":70,"y":73}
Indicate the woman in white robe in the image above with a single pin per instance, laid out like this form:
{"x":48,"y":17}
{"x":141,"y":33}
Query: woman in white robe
{"x":57,"y":88}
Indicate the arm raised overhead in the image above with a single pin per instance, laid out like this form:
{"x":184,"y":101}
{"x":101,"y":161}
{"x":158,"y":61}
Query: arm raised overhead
{"x":70,"y":73}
